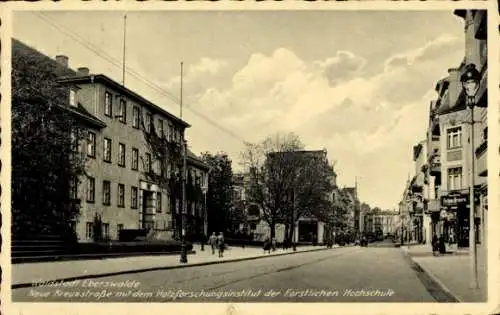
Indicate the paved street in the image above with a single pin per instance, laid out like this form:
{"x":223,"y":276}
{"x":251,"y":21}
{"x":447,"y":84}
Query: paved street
{"x":348,"y":274}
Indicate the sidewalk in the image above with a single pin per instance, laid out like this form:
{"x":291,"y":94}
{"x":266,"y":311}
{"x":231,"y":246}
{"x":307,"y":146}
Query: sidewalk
{"x":452,"y":271}
{"x":23,"y":275}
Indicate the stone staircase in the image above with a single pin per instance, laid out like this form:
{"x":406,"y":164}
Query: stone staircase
{"x":38,"y":248}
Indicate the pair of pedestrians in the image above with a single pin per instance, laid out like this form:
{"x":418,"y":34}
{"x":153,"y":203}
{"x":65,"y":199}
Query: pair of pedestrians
{"x":217,"y":241}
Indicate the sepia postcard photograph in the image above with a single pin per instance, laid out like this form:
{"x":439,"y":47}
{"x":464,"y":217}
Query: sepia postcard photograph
{"x":305,"y":155}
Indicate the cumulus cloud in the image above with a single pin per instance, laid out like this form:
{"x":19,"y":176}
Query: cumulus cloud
{"x":330,"y":103}
{"x":342,"y":66}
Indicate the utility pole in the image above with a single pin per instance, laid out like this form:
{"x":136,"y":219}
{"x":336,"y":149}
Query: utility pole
{"x":183,"y":258}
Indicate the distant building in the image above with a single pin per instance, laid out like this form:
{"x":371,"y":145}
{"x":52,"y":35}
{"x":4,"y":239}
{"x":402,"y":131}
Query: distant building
{"x":383,"y":222}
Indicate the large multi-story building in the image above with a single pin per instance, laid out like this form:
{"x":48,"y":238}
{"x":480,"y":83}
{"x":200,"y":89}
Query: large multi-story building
{"x":118,"y":189}
{"x":449,"y":143}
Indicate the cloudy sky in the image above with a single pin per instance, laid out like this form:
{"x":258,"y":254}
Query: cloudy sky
{"x":356,"y":83}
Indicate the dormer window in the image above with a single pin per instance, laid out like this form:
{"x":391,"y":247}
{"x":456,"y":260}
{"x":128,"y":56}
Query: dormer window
{"x":72,"y":97}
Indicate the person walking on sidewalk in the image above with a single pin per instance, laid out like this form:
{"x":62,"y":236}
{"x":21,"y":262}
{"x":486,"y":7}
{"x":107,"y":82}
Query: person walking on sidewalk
{"x":220,"y":244}
{"x":267,"y":245}
{"x":435,"y":245}
{"x":213,"y":242}
{"x":203,"y":241}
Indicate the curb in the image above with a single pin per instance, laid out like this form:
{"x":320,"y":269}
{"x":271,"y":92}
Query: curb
{"x":79,"y":257}
{"x":431,"y":282}
{"x":123,"y":272}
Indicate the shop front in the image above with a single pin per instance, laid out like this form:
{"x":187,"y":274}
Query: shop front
{"x":455,"y":217}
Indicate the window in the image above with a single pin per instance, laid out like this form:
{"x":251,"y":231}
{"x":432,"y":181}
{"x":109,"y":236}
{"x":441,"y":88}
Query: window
{"x":119,"y":227}
{"x":108,"y":104}
{"x":135,"y":159}
{"x":90,"y":189}
{"x":147,"y":165}
{"x":123,"y":111}
{"x":72,"y":97}
{"x":170,"y":132}
{"x":105,"y":230}
{"x":158,"y":202}
{"x":91,"y":144}
{"x":136,"y":117}
{"x":455,"y":178}
{"x":454,"y":137}
{"x":161,"y":132}
{"x":107,"y":150}
{"x":121,"y":158}
{"x":133,"y":194}
{"x":121,"y":195}
{"x":73,"y":188}
{"x":89,"y":230}
{"x":106,"y":193}
{"x":149,"y":119}
{"x":253,"y":226}
{"x":74,"y":139}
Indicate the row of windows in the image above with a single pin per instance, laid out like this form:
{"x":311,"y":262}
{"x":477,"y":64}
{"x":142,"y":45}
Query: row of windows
{"x":108,"y":154}
{"x":164,"y":130}
{"x":121,"y":194}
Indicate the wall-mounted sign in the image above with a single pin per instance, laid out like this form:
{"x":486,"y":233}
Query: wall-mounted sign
{"x":454,"y":200}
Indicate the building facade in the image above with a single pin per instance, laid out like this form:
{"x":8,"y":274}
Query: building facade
{"x":417,"y":187}
{"x":117,"y":190}
{"x":450,"y":145}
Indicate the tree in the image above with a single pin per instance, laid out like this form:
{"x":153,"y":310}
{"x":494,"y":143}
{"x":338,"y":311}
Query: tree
{"x":44,"y":162}
{"x":312,"y":187}
{"x":220,"y":191}
{"x":273,"y":175}
{"x":165,"y":167}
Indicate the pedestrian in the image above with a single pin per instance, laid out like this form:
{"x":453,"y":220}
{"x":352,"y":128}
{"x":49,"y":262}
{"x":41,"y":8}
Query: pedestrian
{"x":267,"y":245}
{"x":203,"y":240}
{"x":442,"y":245}
{"x":435,"y":245}
{"x":213,"y":242}
{"x":220,"y":244}
{"x":273,"y":244}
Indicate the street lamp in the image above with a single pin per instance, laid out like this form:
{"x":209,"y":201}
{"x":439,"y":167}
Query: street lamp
{"x":470,"y":82}
{"x":183,"y":258}
{"x":205,"y":216}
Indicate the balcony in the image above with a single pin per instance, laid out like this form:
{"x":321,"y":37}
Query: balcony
{"x":435,"y":165}
{"x":482,"y":159}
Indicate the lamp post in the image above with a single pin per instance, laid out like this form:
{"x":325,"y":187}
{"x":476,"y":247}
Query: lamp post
{"x":205,"y":216}
{"x":470,"y":82}
{"x":183,"y":258}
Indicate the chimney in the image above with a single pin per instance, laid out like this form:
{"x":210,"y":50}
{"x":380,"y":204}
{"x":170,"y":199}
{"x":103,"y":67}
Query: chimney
{"x":62,"y":60}
{"x":455,"y":86}
{"x":83,"y":71}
